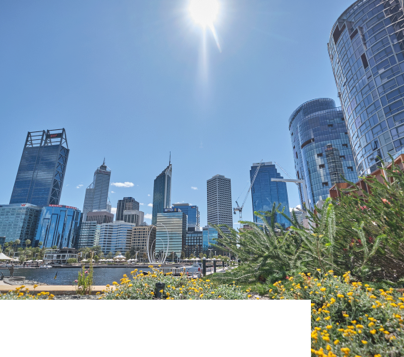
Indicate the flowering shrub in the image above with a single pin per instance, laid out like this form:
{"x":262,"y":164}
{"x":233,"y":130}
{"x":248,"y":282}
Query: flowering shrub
{"x":23,"y":294}
{"x":142,"y":287}
{"x":348,"y":318}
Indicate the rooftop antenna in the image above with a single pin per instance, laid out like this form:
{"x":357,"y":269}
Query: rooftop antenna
{"x":103,"y":163}
{"x":170,"y":159}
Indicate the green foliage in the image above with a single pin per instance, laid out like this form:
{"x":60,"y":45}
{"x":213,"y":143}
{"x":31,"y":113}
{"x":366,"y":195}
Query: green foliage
{"x":85,"y":279}
{"x":71,"y":260}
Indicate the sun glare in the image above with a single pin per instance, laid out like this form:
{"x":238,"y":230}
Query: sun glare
{"x":204,"y":12}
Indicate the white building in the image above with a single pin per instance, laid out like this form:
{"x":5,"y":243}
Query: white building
{"x":219,"y":201}
{"x":89,"y":235}
{"x":133,"y":216}
{"x":116,"y":237}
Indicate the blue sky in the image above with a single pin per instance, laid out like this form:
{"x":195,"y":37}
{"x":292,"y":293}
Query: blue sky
{"x":131,"y":80}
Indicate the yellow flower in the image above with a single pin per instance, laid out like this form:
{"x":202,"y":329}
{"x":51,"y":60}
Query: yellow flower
{"x":35,"y":286}
{"x":372,"y":332}
{"x":152,"y":293}
{"x":323,"y":289}
{"x":336,"y":342}
{"x":249,"y":296}
{"x":364,"y":342}
{"x":329,"y":327}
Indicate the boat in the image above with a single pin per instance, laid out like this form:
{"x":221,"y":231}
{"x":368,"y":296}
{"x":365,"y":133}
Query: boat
{"x":45,"y":266}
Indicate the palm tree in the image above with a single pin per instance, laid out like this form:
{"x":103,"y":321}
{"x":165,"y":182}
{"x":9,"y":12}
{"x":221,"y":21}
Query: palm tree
{"x":27,"y":243}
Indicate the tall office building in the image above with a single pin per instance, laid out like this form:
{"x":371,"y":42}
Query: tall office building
{"x":126,"y":204}
{"x":42,"y":168}
{"x":366,"y":50}
{"x":171,"y":232}
{"x":58,"y":226}
{"x":219,"y":201}
{"x":210,"y":236}
{"x":321,"y":148}
{"x":265,"y":192}
{"x":89,"y":235}
{"x":19,"y":221}
{"x":162,"y":192}
{"x":96,"y":198}
{"x":133,"y":216}
{"x":193,"y":215}
{"x":116,"y":237}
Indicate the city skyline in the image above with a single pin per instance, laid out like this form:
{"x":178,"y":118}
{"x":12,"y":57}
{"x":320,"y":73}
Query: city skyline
{"x":122,"y":81}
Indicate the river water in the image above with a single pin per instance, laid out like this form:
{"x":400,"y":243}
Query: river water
{"x":66,"y":276}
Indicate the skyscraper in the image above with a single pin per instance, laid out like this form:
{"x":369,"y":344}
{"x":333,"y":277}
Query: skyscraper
{"x":126,"y":204}
{"x":193,"y":215}
{"x":321,"y":148}
{"x":219,"y":201}
{"x":133,"y":216}
{"x":162,"y":192}
{"x":366,"y":50}
{"x":265,"y":193}
{"x":96,"y":198}
{"x":42,"y":168}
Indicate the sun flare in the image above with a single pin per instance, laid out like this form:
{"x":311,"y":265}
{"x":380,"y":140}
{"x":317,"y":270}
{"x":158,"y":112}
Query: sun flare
{"x":204,"y":12}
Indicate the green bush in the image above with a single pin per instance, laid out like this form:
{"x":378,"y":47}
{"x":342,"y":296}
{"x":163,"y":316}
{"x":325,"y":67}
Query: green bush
{"x":71,"y":260}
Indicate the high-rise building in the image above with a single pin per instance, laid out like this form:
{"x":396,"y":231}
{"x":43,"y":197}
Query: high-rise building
{"x":133,"y":216}
{"x":139,"y":237}
{"x":89,"y":235}
{"x":42,"y":168}
{"x":58,"y":226}
{"x":265,"y":193}
{"x":19,"y":221}
{"x":219,"y":201}
{"x":116,"y":237}
{"x":100,"y":217}
{"x":97,"y":193}
{"x":321,"y":148}
{"x":193,"y":215}
{"x":366,"y":50}
{"x":171,"y":232}
{"x":162,"y":192}
{"x":193,"y":243}
{"x":126,"y":204}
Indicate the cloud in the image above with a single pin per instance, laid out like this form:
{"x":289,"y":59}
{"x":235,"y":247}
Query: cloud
{"x":113,"y":210}
{"x":142,"y":204}
{"x":148,"y":216}
{"x":112,"y":191}
{"x":148,"y":195}
{"x":123,"y":184}
{"x":150,"y":204}
{"x":297,"y":208}
{"x":194,"y":188}
{"x":78,"y":186}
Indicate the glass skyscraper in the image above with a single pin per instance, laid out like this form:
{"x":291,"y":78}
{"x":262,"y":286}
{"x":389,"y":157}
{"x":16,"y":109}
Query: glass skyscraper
{"x":58,"y":226}
{"x":42,"y":168}
{"x":19,"y":221}
{"x":126,"y":204}
{"x":219,"y":201}
{"x":162,"y":192}
{"x":174,"y":222}
{"x":210,"y":235}
{"x":89,"y":235}
{"x":366,"y":50}
{"x":116,"y":237}
{"x":321,"y":148}
{"x":265,"y":193}
{"x":96,"y":198}
{"x":193,"y":215}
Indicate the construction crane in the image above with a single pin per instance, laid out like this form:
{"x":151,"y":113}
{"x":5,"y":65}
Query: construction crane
{"x":240,"y":209}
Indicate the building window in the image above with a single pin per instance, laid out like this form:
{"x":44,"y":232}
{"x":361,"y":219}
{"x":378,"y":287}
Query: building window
{"x":325,"y":184}
{"x":350,"y":168}
{"x":342,"y":157}
{"x":322,"y":166}
{"x":320,"y":154}
{"x":330,"y":125}
{"x":345,"y":145}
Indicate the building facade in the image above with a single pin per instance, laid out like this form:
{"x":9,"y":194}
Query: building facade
{"x":19,"y":221}
{"x":193,"y":243}
{"x":140,"y":235}
{"x":126,"y":204}
{"x":58,"y":226}
{"x":171,"y":231}
{"x":265,"y":193}
{"x":366,"y":49}
{"x":193,"y":215}
{"x":42,"y":168}
{"x":89,"y":235}
{"x":219,"y":201}
{"x":116,"y":237}
{"x":210,"y":236}
{"x":162,"y":192}
{"x":100,"y":217}
{"x":96,"y":198}
{"x":321,"y":148}
{"x":133,"y":216}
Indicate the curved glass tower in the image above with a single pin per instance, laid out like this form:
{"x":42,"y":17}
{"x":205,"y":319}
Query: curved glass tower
{"x":366,"y":50}
{"x":321,"y":148}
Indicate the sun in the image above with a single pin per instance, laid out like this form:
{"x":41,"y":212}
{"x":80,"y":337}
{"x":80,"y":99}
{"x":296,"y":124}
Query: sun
{"x":204,"y":12}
